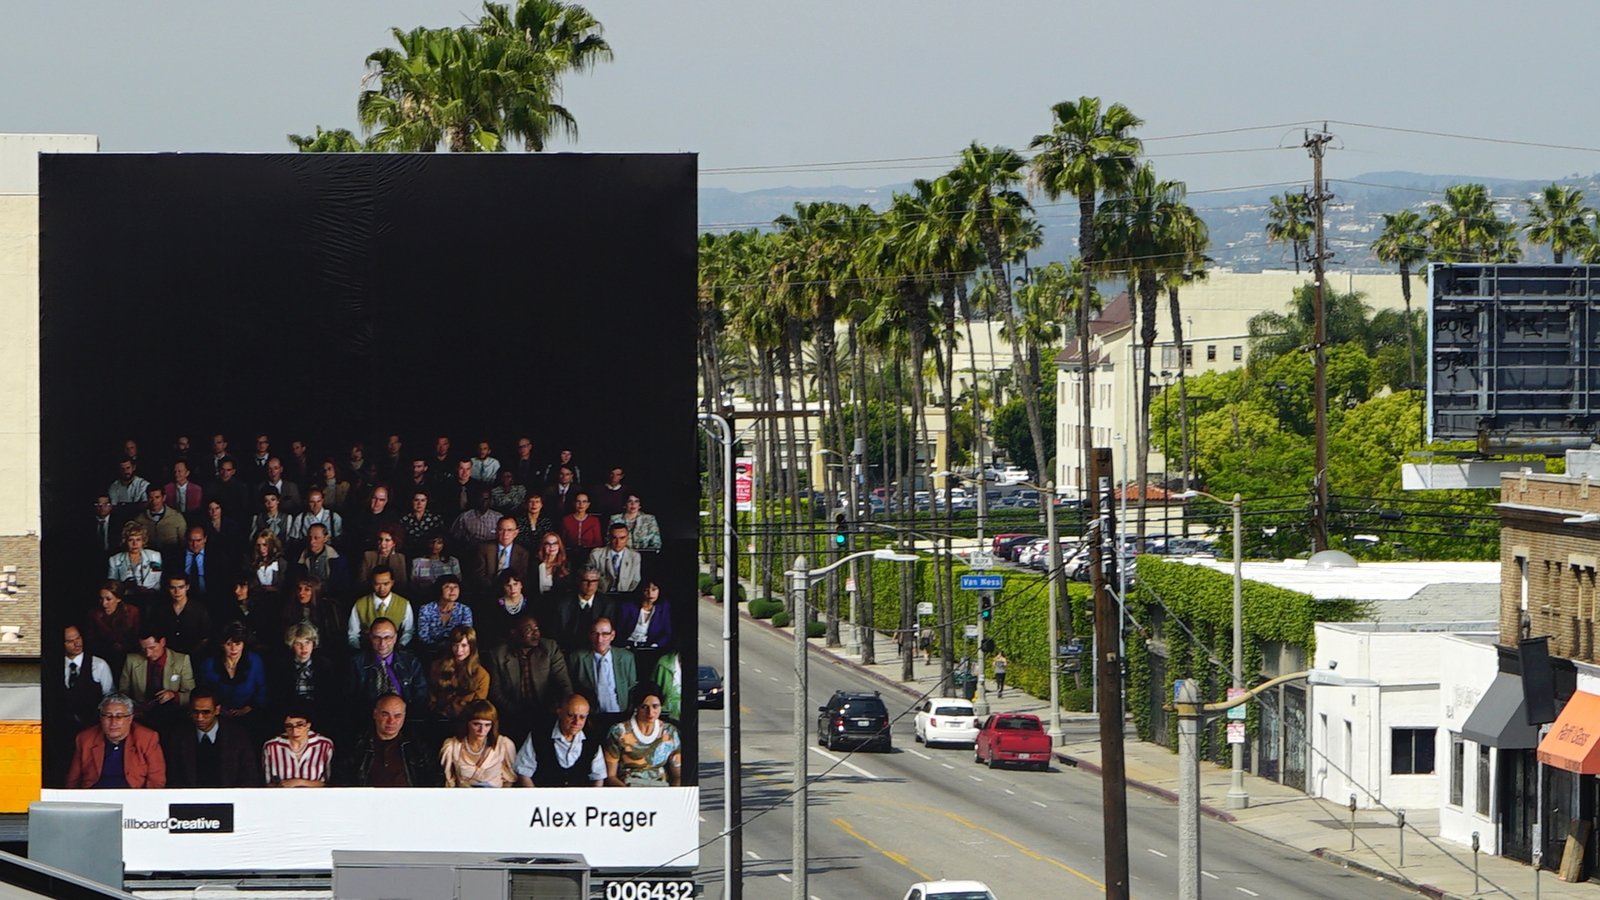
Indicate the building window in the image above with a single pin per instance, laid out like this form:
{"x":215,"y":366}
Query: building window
{"x":1238,"y":352}
{"x":1458,"y":766}
{"x":1411,"y":751}
{"x":1211,"y":353}
{"x":1522,"y":569}
{"x":1188,"y":355}
{"x":1483,"y":780}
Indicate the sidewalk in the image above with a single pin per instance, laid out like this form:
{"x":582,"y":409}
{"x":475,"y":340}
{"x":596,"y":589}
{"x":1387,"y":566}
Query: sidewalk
{"x":1434,"y":867}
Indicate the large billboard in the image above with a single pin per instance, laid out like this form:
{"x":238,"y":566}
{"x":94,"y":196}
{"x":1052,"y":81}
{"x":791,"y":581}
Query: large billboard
{"x":1515,"y":355}
{"x":282,"y":391}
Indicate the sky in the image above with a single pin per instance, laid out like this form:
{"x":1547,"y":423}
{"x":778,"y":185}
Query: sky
{"x":866,"y":94}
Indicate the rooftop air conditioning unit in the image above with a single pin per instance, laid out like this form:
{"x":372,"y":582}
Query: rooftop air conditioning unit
{"x":386,"y":875}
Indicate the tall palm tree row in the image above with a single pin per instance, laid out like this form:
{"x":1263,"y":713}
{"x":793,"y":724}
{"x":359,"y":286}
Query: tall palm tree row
{"x":478,"y":87}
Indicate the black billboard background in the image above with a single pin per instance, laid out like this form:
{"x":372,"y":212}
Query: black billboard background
{"x":341,"y":297}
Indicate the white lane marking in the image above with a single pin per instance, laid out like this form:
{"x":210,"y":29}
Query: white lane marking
{"x":1156,"y":852}
{"x":948,"y":766}
{"x":1247,"y":891}
{"x":1038,"y":804}
{"x":844,"y":762}
{"x":751,"y":854}
{"x":783,"y":876}
{"x":755,"y":670}
{"x":976,"y":778}
{"x":772,"y":677}
{"x":915,"y":753}
{"x":702,"y":819}
{"x":1011,"y":792}
{"x":1208,"y":875}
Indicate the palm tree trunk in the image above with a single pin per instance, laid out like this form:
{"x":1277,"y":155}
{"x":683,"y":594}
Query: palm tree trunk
{"x":1183,"y":385}
{"x":1149,"y":291}
{"x":1026,"y":386}
{"x":1405,"y":294}
{"x":869,"y":654}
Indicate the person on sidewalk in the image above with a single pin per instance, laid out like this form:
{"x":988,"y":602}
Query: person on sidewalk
{"x":1000,"y":663}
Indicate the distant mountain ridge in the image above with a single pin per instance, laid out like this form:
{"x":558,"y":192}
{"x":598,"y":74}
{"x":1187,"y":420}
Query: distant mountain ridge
{"x":1237,"y":219}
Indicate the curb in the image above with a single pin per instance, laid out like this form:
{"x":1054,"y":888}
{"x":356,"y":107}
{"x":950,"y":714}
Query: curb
{"x":1339,"y":859}
{"x":1153,"y":790}
{"x":835,"y":658}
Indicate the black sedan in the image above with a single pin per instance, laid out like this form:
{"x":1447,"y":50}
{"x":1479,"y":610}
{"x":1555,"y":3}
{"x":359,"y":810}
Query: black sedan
{"x":710,"y":688}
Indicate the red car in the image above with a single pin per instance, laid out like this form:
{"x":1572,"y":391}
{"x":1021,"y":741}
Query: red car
{"x":1005,"y":544}
{"x":1013,"y":738}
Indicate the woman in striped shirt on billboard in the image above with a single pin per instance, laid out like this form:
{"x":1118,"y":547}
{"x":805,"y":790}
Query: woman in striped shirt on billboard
{"x":299,"y":757}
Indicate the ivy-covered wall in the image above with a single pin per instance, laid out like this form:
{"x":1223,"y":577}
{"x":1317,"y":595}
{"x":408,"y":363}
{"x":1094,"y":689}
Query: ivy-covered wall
{"x":1193,"y":608}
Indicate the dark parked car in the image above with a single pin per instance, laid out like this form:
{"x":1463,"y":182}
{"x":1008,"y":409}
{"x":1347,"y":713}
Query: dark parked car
{"x":710,"y":689}
{"x":853,"y":717}
{"x":1007,"y":545}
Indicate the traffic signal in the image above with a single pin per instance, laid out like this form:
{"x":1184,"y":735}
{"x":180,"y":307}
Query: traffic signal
{"x":986,"y":605}
{"x":840,"y":531}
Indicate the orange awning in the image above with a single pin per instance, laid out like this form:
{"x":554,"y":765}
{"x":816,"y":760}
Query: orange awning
{"x":1573,"y":742}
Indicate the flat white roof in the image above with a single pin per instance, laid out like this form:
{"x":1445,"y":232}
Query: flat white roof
{"x":1368,"y":581}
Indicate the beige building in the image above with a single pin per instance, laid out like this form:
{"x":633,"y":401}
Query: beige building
{"x":1216,"y":314}
{"x":21,"y":642}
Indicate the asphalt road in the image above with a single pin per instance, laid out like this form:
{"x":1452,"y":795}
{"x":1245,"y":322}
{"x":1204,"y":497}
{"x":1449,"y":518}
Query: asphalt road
{"x":879,"y":822}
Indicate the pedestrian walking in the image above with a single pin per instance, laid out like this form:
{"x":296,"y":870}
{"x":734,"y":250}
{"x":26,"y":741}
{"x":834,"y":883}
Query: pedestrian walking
{"x":1000,"y":663}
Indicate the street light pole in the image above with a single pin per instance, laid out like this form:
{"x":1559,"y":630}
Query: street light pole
{"x":1238,"y":797}
{"x":802,"y":583}
{"x":800,"y":580}
{"x":733,"y":809}
{"x":1056,"y":735}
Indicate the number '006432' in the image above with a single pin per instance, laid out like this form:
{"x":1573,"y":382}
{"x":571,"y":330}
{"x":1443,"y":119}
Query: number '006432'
{"x":649,"y":890}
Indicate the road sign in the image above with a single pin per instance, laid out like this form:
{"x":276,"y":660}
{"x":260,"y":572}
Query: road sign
{"x":980,"y":560}
{"x":850,"y":585}
{"x":972,"y":632}
{"x":982,"y":582}
{"x":1235,"y":732}
{"x":924,"y":609}
{"x":1242,"y":711}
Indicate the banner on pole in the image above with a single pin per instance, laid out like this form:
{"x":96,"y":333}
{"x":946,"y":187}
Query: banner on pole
{"x":744,"y":484}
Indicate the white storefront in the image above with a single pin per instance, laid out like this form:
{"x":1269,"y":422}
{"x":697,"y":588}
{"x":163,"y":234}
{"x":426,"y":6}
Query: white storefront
{"x":1386,"y":739}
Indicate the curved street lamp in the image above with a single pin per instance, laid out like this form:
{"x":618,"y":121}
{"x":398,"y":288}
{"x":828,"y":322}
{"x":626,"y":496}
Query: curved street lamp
{"x":1238,"y":797}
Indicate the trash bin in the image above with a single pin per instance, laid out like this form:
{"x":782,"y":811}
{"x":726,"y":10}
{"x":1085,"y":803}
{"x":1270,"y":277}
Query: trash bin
{"x":966,"y":684}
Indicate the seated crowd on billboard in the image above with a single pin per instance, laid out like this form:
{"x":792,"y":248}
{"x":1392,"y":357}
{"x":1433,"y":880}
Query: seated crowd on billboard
{"x":427,"y":619}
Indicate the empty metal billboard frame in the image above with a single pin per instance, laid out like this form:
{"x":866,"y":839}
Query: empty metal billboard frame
{"x":1514,"y":352}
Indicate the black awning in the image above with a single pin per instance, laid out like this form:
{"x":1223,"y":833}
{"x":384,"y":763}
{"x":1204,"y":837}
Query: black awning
{"x":1500,"y":719}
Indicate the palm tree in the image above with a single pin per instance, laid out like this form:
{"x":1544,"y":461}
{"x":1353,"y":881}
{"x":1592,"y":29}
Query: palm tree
{"x":1088,"y":150}
{"x":1404,"y":243}
{"x":1289,"y":222}
{"x":1465,"y":228}
{"x":1189,"y":239}
{"x":1141,"y":224}
{"x":1557,"y":217}
{"x":431,"y":89}
{"x":473,"y":88}
{"x":339,"y":140}
{"x":994,"y":217}
{"x":544,"y":39}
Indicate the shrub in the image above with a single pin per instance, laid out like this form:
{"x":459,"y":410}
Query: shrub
{"x":765,"y":607}
{"x":738,"y":591}
{"x":1078,"y":699}
{"x":816,"y":629}
{"x":706,"y":581}
{"x":781,"y":618}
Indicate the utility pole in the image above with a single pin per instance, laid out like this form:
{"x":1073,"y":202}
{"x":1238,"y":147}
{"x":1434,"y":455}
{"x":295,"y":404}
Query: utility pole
{"x":1315,"y":144}
{"x":800,"y":584}
{"x":1108,"y":664}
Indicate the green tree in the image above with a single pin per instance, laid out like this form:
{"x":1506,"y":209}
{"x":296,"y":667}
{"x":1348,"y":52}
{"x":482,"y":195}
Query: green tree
{"x":543,"y":40}
{"x":1466,"y":228}
{"x":1089,"y":149}
{"x":1558,"y":219}
{"x":1010,"y":430}
{"x":1289,"y":222}
{"x":1404,"y":243}
{"x":994,"y":217}
{"x":339,"y":140}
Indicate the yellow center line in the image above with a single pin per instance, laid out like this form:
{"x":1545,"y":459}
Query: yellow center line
{"x":1020,"y":848}
{"x":890,"y":854}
